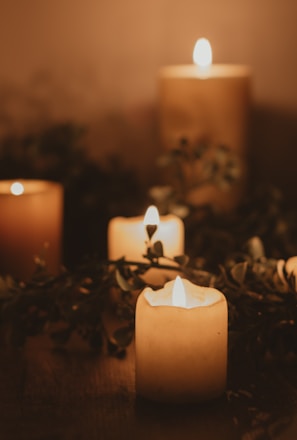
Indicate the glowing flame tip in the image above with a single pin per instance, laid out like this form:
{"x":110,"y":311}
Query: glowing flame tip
{"x":202,"y":54}
{"x":178,"y":293}
{"x":17,"y":188}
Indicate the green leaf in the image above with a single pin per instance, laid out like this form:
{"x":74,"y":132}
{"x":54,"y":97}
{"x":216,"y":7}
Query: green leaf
{"x":255,"y":248}
{"x":122,"y":282}
{"x":238,"y":272}
{"x":157,"y":249}
{"x":115,"y":350}
{"x":123,"y":336}
{"x":182,"y":260}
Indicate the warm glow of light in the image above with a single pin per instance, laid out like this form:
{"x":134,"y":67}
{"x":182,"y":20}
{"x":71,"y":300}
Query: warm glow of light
{"x":202,"y":55}
{"x":17,"y":189}
{"x":178,"y":293}
{"x":151,"y":216}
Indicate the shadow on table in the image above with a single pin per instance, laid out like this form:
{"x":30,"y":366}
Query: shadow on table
{"x":258,"y":405}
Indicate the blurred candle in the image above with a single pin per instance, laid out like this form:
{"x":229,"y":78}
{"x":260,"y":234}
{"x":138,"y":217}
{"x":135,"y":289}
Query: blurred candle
{"x":128,"y":237}
{"x":31,"y":214}
{"x":206,"y":101}
{"x":181,"y":343}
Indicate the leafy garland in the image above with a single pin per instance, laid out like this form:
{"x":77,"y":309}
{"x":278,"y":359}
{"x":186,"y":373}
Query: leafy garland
{"x":245,"y":255}
{"x":261,"y":294}
{"x":262,"y":300}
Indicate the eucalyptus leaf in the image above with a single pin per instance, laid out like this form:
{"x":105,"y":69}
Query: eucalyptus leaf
{"x":254,"y":295}
{"x":122,"y":282}
{"x":182,"y":260}
{"x":238,"y":272}
{"x":123,"y":336}
{"x":157,"y":249}
{"x":255,"y":248}
{"x":114,"y":350}
{"x":274,"y":298}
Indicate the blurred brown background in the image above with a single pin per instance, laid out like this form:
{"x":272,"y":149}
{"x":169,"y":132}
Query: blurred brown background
{"x":96,"y":62}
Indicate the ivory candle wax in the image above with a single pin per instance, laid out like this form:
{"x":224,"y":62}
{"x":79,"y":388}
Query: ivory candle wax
{"x":181,"y":343}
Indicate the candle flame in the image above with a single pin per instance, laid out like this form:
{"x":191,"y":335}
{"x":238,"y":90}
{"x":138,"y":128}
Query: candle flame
{"x":16,"y":188}
{"x":202,"y":55}
{"x":151,"y":216}
{"x":178,"y":293}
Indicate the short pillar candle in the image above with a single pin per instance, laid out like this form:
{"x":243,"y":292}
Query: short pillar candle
{"x":181,"y":344}
{"x":127,"y":237}
{"x":31,"y":216}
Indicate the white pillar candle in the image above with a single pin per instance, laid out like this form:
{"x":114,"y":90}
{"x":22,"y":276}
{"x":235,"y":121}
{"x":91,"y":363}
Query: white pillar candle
{"x":127,"y":237}
{"x":181,"y":343}
{"x":206,"y":101}
{"x":31,"y":213}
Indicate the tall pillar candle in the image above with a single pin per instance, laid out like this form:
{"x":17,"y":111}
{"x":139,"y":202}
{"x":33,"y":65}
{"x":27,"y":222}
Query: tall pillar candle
{"x":31,"y":215}
{"x":127,"y":237}
{"x":181,"y":343}
{"x":207,"y":101}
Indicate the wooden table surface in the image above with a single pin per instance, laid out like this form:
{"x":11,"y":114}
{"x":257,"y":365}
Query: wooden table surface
{"x":74,"y":394}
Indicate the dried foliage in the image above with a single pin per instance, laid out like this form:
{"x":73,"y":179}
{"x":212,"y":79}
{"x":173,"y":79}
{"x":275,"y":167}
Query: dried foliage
{"x":247,"y":255}
{"x":261,"y":294}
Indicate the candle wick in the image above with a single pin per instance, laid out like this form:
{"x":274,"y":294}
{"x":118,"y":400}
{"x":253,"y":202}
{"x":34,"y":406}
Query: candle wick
{"x":151,"y":229}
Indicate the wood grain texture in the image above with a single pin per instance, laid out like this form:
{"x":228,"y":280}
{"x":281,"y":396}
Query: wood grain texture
{"x":75,"y":395}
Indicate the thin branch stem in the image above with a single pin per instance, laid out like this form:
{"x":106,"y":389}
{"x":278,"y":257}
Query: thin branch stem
{"x":143,"y":265}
